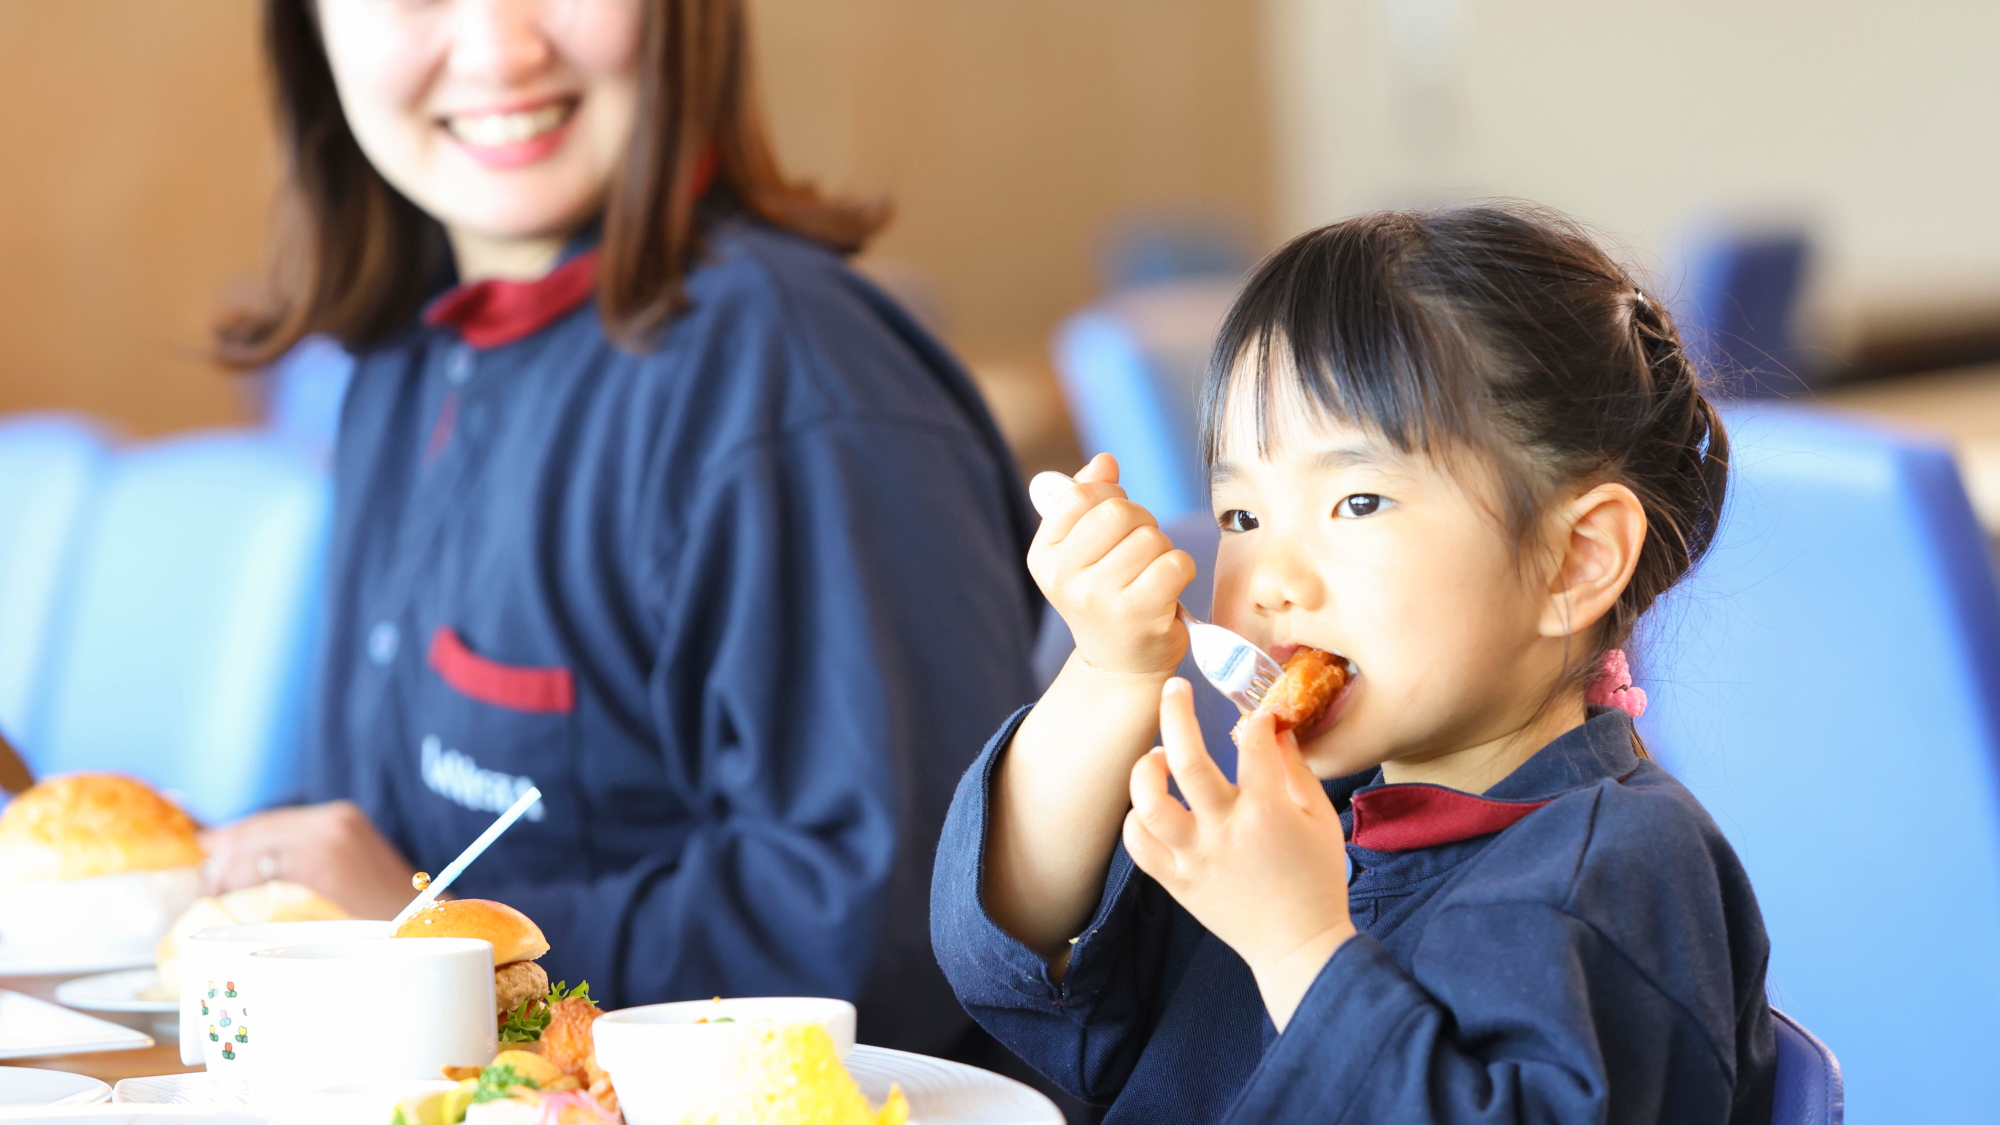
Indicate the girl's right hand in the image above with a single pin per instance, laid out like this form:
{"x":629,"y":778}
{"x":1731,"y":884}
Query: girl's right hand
{"x":1105,"y":565}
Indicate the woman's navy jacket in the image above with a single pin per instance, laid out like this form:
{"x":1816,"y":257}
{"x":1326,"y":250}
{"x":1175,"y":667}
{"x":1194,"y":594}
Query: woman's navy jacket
{"x":743,"y":607}
{"x":1580,"y":945}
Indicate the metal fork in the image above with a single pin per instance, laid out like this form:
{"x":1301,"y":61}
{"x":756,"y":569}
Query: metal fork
{"x":1238,"y":669}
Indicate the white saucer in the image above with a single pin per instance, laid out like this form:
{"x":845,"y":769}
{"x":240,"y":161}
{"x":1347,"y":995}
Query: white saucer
{"x":21,"y":1085}
{"x":31,"y":1027}
{"x":16,"y":962}
{"x":940,"y":1092}
{"x":122,"y":991}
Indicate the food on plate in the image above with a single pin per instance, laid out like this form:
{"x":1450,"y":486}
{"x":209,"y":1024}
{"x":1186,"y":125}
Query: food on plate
{"x":789,"y":1072}
{"x":517,"y":1088}
{"x":517,"y":943}
{"x":94,"y":865}
{"x":544,"y":1031}
{"x":275,"y":901}
{"x":1312,"y":679}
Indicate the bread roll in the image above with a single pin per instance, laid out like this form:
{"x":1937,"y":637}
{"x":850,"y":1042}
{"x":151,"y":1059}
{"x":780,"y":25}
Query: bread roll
{"x":514,"y":936}
{"x":275,"y":901}
{"x":84,"y":825}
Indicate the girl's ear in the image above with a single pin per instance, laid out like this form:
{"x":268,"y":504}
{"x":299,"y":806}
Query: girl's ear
{"x":1596,"y":539}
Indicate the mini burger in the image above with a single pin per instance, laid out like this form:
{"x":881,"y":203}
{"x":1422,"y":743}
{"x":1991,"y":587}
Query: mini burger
{"x":517,"y":943}
{"x":94,"y":867}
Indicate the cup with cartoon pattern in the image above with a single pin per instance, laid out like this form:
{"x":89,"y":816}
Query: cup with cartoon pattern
{"x":217,"y":993}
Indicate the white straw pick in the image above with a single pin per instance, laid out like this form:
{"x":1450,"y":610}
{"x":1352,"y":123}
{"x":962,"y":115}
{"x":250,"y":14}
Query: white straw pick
{"x":429,"y":894}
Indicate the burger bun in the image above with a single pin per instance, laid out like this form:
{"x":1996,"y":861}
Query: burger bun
{"x":513,"y":935}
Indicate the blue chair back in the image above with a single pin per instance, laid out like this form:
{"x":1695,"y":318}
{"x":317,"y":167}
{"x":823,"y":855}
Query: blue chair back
{"x":1828,"y":684}
{"x":49,"y":469}
{"x":183,"y":655}
{"x":305,"y":390}
{"x":1809,"y":1089}
{"x":1131,"y":367}
{"x":1738,"y":306}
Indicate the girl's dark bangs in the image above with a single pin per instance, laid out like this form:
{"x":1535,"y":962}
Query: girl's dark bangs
{"x":1324,"y":322}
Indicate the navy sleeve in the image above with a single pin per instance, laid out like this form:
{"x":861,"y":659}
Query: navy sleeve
{"x":1512,"y":1012}
{"x":834,"y":653}
{"x":1086,"y":1033}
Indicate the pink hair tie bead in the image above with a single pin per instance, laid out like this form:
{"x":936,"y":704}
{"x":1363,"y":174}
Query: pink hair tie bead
{"x":1613,"y":687}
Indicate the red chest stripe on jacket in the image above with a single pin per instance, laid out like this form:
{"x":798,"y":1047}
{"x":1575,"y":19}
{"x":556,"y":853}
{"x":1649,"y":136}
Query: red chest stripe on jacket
{"x":502,"y":685}
{"x":1401,"y":818}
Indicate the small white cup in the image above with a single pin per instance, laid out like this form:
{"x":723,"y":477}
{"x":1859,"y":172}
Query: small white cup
{"x":216,"y":990}
{"x":392,"y":1009}
{"x":659,"y":1056}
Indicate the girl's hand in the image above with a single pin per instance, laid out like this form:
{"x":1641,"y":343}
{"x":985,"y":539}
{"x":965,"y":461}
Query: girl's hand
{"x":1261,"y":863}
{"x":333,"y":848}
{"x":1105,"y":565}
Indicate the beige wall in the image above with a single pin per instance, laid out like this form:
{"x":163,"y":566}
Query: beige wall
{"x":1010,"y":131}
{"x":1880,"y":120}
{"x":133,"y":188}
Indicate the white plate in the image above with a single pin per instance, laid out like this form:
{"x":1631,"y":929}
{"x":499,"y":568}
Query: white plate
{"x":31,"y":1027}
{"x":122,"y":991}
{"x":15,"y":962}
{"x":129,"y":1115}
{"x":22,"y":1085}
{"x":940,"y":1092}
{"x":949,"y":1093}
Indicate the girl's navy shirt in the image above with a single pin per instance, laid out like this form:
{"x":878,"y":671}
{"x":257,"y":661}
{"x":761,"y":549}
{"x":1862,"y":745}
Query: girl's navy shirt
{"x":743,"y":607}
{"x":1600,"y":960}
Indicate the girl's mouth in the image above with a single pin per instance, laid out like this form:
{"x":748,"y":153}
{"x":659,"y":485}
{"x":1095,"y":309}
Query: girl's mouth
{"x":511,"y":138}
{"x":1330,"y":714}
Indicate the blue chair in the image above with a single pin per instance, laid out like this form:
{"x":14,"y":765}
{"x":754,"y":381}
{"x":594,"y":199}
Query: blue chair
{"x":304,"y":392}
{"x":49,"y":468}
{"x":1828,"y":684}
{"x":1809,"y":1090}
{"x":182,"y":654}
{"x":1738,"y":304}
{"x":1131,"y":367}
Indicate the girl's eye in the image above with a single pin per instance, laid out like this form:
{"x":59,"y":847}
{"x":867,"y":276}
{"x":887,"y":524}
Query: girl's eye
{"x":1236,"y":519}
{"x":1358,"y":505}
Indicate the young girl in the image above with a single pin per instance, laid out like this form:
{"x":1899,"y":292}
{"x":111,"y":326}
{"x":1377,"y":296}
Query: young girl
{"x":1464,"y":451}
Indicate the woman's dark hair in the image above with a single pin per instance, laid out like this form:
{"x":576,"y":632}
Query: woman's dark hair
{"x":353,"y":258}
{"x":1503,"y":330}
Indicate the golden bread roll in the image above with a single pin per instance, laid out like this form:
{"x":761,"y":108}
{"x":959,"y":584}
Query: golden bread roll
{"x":275,"y":901}
{"x":514,"y":935}
{"x":84,"y":825}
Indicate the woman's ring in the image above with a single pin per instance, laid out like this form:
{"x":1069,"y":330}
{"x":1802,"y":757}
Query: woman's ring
{"x":267,"y":866}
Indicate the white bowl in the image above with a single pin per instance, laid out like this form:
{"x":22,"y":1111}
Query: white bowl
{"x":659,"y":1055}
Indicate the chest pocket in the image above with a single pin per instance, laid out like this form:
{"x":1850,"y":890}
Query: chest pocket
{"x":488,"y":730}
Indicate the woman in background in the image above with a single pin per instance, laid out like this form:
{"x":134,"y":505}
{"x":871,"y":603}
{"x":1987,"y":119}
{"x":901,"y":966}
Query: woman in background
{"x":643,"y":498}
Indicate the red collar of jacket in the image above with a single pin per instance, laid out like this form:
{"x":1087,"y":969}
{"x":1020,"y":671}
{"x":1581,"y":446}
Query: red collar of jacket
{"x":1401,"y":818}
{"x":497,"y":311}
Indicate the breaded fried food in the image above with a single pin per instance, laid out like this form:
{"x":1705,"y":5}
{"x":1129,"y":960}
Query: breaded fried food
{"x":566,"y":1042}
{"x":1313,"y":677}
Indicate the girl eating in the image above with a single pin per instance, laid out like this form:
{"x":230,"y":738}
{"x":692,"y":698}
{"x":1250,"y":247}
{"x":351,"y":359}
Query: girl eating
{"x":1463,"y":452}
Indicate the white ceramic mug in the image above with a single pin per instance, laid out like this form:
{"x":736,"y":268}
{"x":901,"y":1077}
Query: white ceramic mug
{"x":660,"y":1055}
{"x":216,"y":990}
{"x":387,"y":1008}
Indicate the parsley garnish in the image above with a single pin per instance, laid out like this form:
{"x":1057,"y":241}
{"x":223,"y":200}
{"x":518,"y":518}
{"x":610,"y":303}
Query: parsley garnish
{"x":497,"y":1082}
